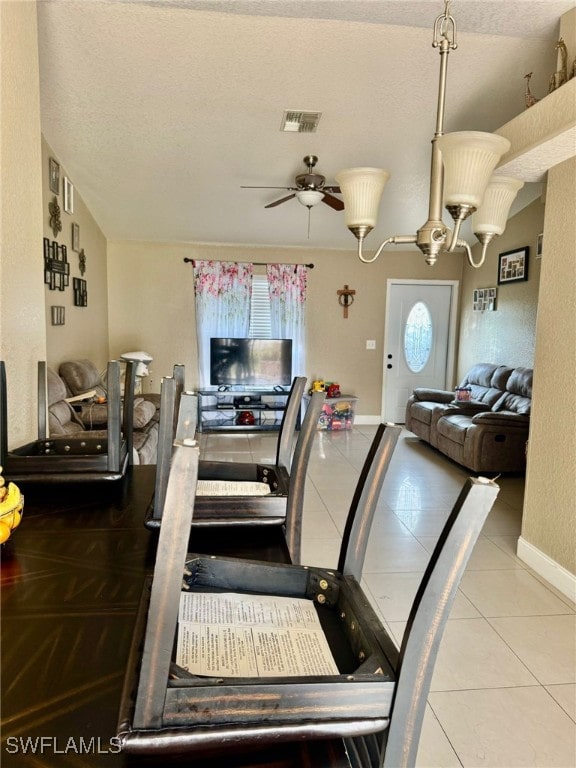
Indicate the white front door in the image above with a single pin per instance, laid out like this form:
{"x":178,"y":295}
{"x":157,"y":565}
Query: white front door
{"x":418,"y":341}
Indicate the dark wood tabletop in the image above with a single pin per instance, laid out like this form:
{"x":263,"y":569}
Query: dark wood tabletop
{"x":71,"y":580}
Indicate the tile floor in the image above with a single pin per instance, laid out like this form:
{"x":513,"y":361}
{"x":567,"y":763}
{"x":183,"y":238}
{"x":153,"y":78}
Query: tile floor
{"x":504,"y":688}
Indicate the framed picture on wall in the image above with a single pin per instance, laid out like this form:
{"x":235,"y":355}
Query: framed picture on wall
{"x":68,"y":195}
{"x":76,"y":238}
{"x":539,"y":245}
{"x":54,"y":174}
{"x":513,"y":266}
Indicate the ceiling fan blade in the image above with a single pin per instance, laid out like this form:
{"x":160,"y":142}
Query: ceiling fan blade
{"x":332,"y":189}
{"x":282,"y":200}
{"x":243,"y":186}
{"x":333,"y":202}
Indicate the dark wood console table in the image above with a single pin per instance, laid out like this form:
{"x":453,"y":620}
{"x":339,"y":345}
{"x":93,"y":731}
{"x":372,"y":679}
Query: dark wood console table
{"x":71,"y":580}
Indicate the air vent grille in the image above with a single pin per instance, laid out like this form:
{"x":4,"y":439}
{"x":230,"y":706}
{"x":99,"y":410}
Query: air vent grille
{"x":297,"y":121}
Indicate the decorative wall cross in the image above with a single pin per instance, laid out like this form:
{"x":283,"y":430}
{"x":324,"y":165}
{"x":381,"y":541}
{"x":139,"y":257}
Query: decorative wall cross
{"x":346,"y":298}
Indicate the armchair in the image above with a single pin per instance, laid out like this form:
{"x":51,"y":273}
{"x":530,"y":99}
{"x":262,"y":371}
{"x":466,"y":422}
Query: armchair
{"x":82,"y":376}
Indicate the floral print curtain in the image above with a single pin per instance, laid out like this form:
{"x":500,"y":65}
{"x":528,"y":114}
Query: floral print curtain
{"x":287,"y":286}
{"x":222,"y":290}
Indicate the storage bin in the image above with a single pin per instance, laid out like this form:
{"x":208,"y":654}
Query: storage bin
{"x":337,"y":413}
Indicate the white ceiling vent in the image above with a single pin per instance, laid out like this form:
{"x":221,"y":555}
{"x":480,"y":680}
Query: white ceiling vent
{"x":296,"y":121}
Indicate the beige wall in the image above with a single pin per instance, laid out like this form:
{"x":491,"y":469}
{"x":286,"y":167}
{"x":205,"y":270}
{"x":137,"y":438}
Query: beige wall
{"x":22,"y":325}
{"x":549,"y":511}
{"x":506,"y":335}
{"x":151,"y":307}
{"x":85,"y":333}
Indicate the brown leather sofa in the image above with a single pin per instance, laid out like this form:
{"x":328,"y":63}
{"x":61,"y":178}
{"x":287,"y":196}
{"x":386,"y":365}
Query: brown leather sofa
{"x":81,"y":376}
{"x":487,"y":434}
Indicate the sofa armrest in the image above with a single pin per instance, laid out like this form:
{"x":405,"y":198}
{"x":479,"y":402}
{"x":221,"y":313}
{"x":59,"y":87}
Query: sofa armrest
{"x":501,"y":419}
{"x":433,"y":395}
{"x":466,"y":408}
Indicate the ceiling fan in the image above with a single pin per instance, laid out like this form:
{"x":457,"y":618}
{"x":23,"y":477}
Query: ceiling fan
{"x":310,"y":189}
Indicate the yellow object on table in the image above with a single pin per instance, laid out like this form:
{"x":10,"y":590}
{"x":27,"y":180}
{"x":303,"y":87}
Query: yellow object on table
{"x":11,"y":506}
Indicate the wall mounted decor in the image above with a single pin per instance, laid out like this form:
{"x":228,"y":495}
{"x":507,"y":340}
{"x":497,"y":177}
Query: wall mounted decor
{"x":56,"y":266}
{"x":58,"y":315}
{"x":80,"y":292}
{"x":75,"y":237}
{"x":54,"y":174}
{"x":55,"y":221}
{"x":484,"y":299}
{"x":539,"y":245}
{"x":82,"y":261}
{"x":513,"y":266}
{"x":346,"y":298}
{"x":68,"y":195}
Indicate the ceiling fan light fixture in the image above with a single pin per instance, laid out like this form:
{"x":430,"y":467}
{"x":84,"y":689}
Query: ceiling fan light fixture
{"x":309,"y":197}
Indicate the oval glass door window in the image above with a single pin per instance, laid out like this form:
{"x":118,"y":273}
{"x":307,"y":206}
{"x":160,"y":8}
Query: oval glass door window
{"x":418,"y":337}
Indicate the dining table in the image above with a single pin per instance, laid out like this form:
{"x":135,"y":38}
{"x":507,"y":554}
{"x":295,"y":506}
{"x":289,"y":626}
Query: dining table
{"x":72,"y":576}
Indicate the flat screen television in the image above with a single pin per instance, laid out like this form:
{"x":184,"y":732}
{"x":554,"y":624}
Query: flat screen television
{"x":260,"y":363}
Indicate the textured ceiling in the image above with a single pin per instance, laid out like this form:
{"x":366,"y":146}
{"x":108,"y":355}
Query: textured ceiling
{"x":161,"y":110}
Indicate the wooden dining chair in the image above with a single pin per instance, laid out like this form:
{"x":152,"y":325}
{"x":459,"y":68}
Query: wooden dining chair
{"x":269,"y":496}
{"x":73,"y":453}
{"x":274,"y":475}
{"x":238,"y":470}
{"x":376,"y":698}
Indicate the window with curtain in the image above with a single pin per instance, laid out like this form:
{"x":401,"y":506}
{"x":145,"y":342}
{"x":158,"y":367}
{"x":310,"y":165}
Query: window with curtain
{"x":232,"y":301}
{"x":223,"y":291}
{"x":287,"y":285}
{"x":260,"y":325}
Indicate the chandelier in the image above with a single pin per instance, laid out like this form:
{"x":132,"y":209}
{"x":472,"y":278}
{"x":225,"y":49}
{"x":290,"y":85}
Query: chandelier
{"x":461,"y":176}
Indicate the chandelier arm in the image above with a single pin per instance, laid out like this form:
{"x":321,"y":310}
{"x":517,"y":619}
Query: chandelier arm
{"x":395,"y":240}
{"x":466,"y":246}
{"x":454,"y":240}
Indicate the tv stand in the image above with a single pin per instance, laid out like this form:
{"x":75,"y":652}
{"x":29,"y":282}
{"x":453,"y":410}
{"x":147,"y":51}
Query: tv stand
{"x":223,"y":409}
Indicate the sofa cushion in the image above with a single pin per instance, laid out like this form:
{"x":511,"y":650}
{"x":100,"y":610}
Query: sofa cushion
{"x":487,"y":381}
{"x":144,"y":411}
{"x":61,"y":418}
{"x":145,"y":446}
{"x":82,"y":376}
{"x":423,"y":411}
{"x":518,"y":397}
{"x":454,"y":427}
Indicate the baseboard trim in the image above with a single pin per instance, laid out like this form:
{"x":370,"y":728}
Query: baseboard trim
{"x":365,"y":420}
{"x":549,"y":569}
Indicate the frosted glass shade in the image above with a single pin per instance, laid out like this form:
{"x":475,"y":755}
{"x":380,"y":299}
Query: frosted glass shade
{"x":492,"y":215}
{"x":362,"y":191}
{"x":469,"y":158}
{"x":309,"y":197}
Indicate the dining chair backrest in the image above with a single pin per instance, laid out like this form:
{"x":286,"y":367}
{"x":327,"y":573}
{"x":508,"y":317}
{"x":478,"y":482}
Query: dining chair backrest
{"x":171,"y":388}
{"x":397,"y":747}
{"x":289,"y":422}
{"x":233,"y":503}
{"x":215,"y":470}
{"x":376,"y":702}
